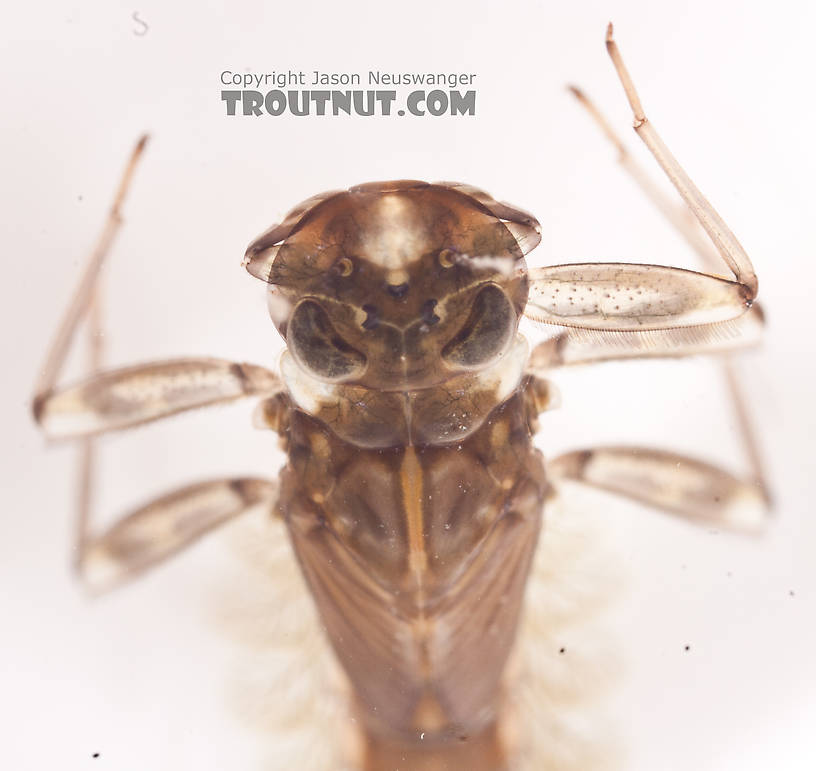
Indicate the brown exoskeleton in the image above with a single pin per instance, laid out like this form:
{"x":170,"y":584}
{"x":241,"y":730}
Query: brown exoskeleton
{"x":407,"y":402}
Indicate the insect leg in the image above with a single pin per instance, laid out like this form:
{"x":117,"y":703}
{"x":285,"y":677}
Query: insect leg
{"x":118,"y":399}
{"x":675,"y":212}
{"x":584,"y":346}
{"x":677,"y":484}
{"x":722,"y":338}
{"x":581,"y":346}
{"x":82,"y":299}
{"x":621,"y":296}
{"x":721,"y":236}
{"x":121,"y":398}
{"x":126,"y":397}
{"x":619,"y":311}
{"x":153,"y":532}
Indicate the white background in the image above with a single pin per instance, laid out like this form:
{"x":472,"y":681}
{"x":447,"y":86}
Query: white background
{"x":139,"y":675}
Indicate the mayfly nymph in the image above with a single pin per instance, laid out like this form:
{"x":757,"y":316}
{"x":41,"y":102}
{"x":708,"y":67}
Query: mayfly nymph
{"x":407,"y":403}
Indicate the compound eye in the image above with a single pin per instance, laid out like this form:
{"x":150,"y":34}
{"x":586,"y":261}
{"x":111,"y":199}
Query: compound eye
{"x":486,"y":333}
{"x":317,"y":346}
